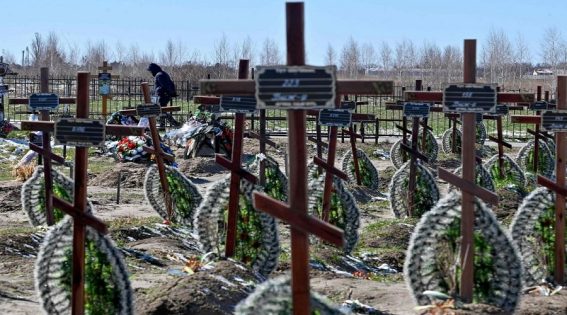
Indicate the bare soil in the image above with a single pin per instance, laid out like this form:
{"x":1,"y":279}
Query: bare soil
{"x":155,"y":253}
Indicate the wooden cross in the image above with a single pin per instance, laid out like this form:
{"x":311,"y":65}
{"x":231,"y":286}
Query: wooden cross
{"x":157,"y":151}
{"x":353,"y":136}
{"x":105,"y":68}
{"x":467,"y":183}
{"x":234,"y":165}
{"x":78,"y":208}
{"x":45,"y":150}
{"x":537,"y":133}
{"x":559,"y":185}
{"x":296,"y":212}
{"x":329,"y":166}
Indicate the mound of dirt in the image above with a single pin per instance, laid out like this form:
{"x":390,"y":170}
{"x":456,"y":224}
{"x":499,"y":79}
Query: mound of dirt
{"x":214,"y":291}
{"x":386,"y":243}
{"x":200,"y":166}
{"x":385,"y":178}
{"x":509,"y":201}
{"x":10,"y":194}
{"x":131,"y":176}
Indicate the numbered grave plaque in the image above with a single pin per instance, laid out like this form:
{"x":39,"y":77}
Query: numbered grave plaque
{"x":148,"y":110}
{"x":470,"y":98}
{"x":335,"y":117}
{"x":296,"y":87}
{"x":104,"y":83}
{"x":79,"y":132}
{"x":43,"y":101}
{"x":539,"y":105}
{"x":554,"y":120}
{"x":416,"y":110}
{"x":502,"y":110}
{"x":3,"y":89}
{"x":238,"y":104}
{"x":348,"y":105}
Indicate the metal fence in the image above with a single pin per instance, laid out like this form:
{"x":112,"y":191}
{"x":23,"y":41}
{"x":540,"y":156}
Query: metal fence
{"x":126,"y":92}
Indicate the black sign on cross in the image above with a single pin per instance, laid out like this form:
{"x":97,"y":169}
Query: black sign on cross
{"x":234,"y":164}
{"x":77,"y":209}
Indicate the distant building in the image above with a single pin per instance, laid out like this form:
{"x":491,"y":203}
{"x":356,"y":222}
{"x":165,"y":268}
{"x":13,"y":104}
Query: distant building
{"x":542,"y":72}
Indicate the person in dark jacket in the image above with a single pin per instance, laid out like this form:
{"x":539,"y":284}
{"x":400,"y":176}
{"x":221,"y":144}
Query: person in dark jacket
{"x":164,"y":90}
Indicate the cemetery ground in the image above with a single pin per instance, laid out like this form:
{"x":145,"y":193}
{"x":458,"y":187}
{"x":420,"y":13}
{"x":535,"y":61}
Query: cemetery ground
{"x":163,"y":261}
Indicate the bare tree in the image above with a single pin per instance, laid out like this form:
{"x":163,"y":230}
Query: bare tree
{"x":8,"y":57}
{"x":270,"y":53}
{"x":38,"y":50}
{"x":350,"y":59}
{"x":551,"y":43}
{"x":430,"y":63}
{"x":331,"y":56}
{"x":368,"y":57}
{"x":386,"y":59}
{"x":222,"y":58}
{"x":497,"y":57}
{"x":452,"y":61}
{"x":522,"y":57}
{"x":247,"y":50}
{"x":405,"y":60}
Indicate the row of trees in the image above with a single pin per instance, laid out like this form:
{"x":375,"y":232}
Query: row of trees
{"x":502,"y":60}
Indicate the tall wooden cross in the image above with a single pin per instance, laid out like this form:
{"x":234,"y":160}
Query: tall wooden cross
{"x":329,"y":166}
{"x":296,"y":212}
{"x":467,"y":184}
{"x":353,"y":136}
{"x":421,"y":121}
{"x":535,"y":120}
{"x":78,"y":208}
{"x":45,"y":150}
{"x":105,"y":68}
{"x":236,"y":170}
{"x":420,"y":112}
{"x":151,"y":111}
{"x":559,"y":185}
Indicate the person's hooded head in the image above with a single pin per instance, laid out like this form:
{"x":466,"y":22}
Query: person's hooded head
{"x":154,"y":69}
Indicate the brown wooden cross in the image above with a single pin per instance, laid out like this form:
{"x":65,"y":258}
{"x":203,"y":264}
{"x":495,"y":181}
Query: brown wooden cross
{"x":45,"y":150}
{"x":156,"y":150}
{"x":234,"y":165}
{"x":295,"y":213}
{"x":559,"y":185}
{"x":78,"y":208}
{"x":353,"y":136}
{"x":537,"y":133}
{"x":105,"y":68}
{"x":329,"y":166}
{"x":467,"y":183}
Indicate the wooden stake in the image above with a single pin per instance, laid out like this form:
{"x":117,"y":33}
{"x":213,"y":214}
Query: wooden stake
{"x":235,"y":166}
{"x":561,"y":142}
{"x":80,"y":201}
{"x":159,"y":155}
{"x":559,"y":186}
{"x":46,"y":144}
